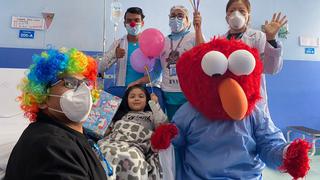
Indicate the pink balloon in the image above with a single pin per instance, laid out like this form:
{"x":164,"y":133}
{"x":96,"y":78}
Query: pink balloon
{"x":138,"y":61}
{"x":151,"y":42}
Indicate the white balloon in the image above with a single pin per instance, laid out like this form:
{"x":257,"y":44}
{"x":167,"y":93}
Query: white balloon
{"x":241,"y":62}
{"x":213,"y":63}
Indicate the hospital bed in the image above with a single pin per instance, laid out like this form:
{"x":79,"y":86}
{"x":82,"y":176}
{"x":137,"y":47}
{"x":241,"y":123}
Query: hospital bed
{"x":314,"y":134}
{"x":12,"y":122}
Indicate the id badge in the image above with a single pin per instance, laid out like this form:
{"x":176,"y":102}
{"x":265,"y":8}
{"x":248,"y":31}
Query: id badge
{"x":172,"y":70}
{"x":172,"y":58}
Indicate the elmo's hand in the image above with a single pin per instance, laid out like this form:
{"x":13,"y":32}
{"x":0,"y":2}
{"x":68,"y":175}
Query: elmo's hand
{"x":296,"y":161}
{"x":162,"y":136}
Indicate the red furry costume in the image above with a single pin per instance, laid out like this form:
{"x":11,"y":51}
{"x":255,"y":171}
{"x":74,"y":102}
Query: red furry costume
{"x":221,"y":132}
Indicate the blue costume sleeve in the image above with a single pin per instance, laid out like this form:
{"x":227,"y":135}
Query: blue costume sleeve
{"x":182,"y":119}
{"x":270,"y":140}
{"x":179,"y":140}
{"x":156,"y":71}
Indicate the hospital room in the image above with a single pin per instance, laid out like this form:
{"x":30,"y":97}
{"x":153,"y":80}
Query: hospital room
{"x":160,"y":89}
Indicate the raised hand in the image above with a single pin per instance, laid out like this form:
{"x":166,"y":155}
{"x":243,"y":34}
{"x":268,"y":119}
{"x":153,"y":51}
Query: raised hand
{"x":197,"y":20}
{"x":272,"y":27}
{"x":120,"y":52}
{"x":154,"y":97}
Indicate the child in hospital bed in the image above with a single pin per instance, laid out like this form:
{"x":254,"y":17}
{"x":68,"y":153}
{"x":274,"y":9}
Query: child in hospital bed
{"x":127,"y":145}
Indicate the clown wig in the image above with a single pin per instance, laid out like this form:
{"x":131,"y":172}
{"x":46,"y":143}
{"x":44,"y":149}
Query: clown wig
{"x":46,"y":70}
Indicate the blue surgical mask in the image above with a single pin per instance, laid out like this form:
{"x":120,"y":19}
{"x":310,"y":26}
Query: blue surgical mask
{"x":176,"y":25}
{"x":134,"y":31}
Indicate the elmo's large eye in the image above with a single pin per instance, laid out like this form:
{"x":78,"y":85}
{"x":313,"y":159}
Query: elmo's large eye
{"x":241,"y":62}
{"x":214,"y":63}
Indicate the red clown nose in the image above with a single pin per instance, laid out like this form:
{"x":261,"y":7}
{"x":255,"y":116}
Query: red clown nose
{"x":132,"y":24}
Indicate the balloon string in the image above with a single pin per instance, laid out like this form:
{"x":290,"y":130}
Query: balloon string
{"x":149,"y":77}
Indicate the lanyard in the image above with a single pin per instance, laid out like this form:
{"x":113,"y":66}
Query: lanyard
{"x":107,"y":168}
{"x":236,"y":35}
{"x":171,"y":46}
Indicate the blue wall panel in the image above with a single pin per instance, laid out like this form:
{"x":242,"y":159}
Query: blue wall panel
{"x":294,"y":94}
{"x":21,"y":57}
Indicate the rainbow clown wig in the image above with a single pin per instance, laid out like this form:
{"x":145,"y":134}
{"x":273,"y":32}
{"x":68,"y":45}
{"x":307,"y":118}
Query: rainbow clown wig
{"x":46,"y":70}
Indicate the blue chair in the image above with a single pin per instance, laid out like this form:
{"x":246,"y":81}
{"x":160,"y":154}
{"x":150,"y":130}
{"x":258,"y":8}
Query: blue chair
{"x":120,"y":90}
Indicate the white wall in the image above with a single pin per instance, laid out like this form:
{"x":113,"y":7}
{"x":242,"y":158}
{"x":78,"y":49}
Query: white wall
{"x":77,"y":23}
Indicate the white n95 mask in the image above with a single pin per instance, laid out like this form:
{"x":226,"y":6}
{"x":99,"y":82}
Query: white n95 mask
{"x":236,"y":20}
{"x":76,"y":105}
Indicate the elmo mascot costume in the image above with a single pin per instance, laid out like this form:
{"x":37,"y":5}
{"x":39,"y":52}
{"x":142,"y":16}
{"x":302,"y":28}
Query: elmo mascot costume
{"x":221,"y":133}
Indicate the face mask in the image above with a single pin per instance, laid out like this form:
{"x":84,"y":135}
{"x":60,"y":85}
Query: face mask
{"x":236,"y":20}
{"x":76,"y":105}
{"x":176,"y":25}
{"x":133,"y":30}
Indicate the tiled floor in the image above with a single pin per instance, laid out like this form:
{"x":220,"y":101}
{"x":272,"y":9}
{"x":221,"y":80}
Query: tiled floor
{"x":314,"y":173}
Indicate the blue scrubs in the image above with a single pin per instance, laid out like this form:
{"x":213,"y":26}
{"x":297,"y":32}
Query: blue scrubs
{"x":174,"y":100}
{"x":131,"y":74}
{"x":226,"y":149}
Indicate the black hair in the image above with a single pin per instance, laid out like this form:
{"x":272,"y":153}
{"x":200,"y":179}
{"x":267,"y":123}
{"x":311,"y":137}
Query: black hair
{"x":134,"y":10}
{"x":124,"y":107}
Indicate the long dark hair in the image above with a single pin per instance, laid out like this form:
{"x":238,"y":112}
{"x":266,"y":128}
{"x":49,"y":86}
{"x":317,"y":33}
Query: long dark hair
{"x":124,"y":107}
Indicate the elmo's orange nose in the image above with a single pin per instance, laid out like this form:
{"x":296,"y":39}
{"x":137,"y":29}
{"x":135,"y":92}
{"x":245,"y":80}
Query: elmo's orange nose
{"x":233,"y":99}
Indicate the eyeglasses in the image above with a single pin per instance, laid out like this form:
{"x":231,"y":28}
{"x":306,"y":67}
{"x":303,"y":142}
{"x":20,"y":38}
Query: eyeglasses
{"x":179,"y":16}
{"x":72,"y":82}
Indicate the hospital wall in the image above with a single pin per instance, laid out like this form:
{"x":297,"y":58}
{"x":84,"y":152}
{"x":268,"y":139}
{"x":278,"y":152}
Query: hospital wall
{"x":294,"y":93}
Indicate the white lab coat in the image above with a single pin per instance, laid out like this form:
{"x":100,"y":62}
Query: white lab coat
{"x":171,"y":83}
{"x":110,"y":59}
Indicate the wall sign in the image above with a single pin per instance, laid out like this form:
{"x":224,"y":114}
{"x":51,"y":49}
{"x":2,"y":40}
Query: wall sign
{"x":309,"y":50}
{"x":26,"y":34}
{"x":27,"y":23}
{"x":309,"y":41}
